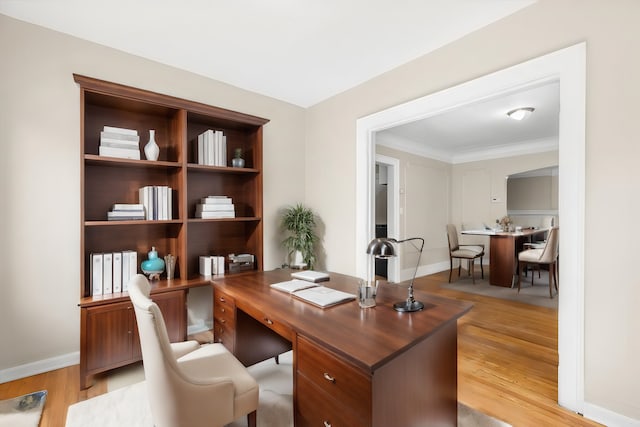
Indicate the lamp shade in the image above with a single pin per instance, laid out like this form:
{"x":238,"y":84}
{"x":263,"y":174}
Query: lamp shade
{"x":381,"y":248}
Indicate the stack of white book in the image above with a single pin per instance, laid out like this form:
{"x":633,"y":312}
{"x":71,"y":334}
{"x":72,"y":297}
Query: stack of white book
{"x":126,"y":211}
{"x":157,"y":202}
{"x":211,"y":265}
{"x":119,"y":142}
{"x":211,"y":149}
{"x":215,"y":207}
{"x":111,"y":271}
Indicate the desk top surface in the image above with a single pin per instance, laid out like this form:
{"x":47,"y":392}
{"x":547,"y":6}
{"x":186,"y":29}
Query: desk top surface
{"x":368,"y":337}
{"x":525,"y":232}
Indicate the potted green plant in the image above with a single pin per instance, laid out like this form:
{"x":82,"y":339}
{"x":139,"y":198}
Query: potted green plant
{"x":299,"y":222}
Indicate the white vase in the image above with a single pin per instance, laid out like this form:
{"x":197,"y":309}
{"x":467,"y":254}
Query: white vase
{"x":151,"y":150}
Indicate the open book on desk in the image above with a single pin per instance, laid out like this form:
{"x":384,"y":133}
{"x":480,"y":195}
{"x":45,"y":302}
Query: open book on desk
{"x":310,"y":292}
{"x":292,"y":286}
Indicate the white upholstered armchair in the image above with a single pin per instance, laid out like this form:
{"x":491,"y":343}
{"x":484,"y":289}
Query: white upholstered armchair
{"x":188,"y":384}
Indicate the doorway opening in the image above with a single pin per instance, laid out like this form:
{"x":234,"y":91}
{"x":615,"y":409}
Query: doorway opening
{"x":566,"y":66}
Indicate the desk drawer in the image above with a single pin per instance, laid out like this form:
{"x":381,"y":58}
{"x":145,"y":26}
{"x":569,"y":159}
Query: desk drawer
{"x":224,"y":335}
{"x":317,"y":408}
{"x":224,"y":320}
{"x":271,"y":323}
{"x":343,"y":381}
{"x":223,"y":303}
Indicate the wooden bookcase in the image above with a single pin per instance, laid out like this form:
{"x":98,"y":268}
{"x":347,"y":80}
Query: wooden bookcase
{"x":106,"y":322}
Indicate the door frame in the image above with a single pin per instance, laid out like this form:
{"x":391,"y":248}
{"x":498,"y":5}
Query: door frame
{"x":568,"y":67}
{"x":393,"y":210}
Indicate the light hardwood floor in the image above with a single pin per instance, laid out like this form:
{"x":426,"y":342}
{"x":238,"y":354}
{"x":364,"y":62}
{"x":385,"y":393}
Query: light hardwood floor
{"x":507,"y":365}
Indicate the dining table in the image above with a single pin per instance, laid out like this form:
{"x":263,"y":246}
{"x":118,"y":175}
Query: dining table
{"x":504,"y":247}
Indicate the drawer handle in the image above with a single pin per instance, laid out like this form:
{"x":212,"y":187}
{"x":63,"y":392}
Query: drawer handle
{"x":222,"y":299}
{"x":269,"y":321}
{"x":222,"y":310}
{"x":329,"y":377}
{"x":327,"y":424}
{"x":223,"y":321}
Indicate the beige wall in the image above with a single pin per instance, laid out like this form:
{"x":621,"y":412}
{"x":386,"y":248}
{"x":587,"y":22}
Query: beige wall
{"x":425,"y":200}
{"x":40,"y":175}
{"x":39,"y":121}
{"x":480,"y":188}
{"x":610,"y":31}
{"x":532,"y":193}
{"x":434,"y":193}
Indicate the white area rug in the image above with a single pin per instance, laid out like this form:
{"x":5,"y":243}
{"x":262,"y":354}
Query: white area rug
{"x":122,"y":406}
{"x":23,"y":411}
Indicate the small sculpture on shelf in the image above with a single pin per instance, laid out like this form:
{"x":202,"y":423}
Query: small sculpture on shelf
{"x":170,"y":262}
{"x":153,"y":266}
{"x":237,"y":161}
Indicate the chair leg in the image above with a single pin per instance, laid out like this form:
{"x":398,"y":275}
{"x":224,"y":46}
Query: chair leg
{"x":555,"y":275}
{"x":532,"y":275}
{"x":519,"y":274}
{"x":550,"y":273}
{"x":450,"y":268}
{"x":481,"y":269}
{"x":277,"y":357}
{"x":252,"y":419}
{"x":472,"y":266}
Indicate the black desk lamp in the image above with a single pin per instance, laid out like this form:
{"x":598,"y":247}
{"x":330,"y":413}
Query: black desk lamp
{"x":383,"y":248}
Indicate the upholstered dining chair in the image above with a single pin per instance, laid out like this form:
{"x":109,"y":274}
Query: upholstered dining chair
{"x":468,"y":252}
{"x":189,"y":384}
{"x":548,"y":255}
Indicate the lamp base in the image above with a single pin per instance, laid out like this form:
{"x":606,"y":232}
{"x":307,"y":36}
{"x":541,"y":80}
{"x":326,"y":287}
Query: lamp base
{"x":406,"y":306}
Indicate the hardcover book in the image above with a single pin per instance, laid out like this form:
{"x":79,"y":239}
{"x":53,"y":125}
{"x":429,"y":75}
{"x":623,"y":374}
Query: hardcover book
{"x":311,"y":276}
{"x":323,"y":297}
{"x":107,"y":273}
{"x":96,"y":274}
{"x":117,"y":272}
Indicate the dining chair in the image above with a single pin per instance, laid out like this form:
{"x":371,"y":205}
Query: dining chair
{"x":460,"y":252}
{"x":189,"y":384}
{"x":547,"y":224}
{"x":548,"y":255}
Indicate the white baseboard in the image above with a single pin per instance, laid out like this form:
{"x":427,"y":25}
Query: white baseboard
{"x":39,"y":367}
{"x":607,"y":417}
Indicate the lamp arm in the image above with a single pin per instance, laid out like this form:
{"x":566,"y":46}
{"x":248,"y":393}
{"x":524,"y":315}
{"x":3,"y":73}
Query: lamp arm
{"x":415,"y":272}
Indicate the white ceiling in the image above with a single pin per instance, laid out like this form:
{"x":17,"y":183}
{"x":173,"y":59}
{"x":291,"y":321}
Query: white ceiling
{"x":298,"y":51}
{"x":482,"y":130}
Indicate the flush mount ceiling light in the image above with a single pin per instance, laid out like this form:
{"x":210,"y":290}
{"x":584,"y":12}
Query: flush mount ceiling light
{"x":520,"y":113}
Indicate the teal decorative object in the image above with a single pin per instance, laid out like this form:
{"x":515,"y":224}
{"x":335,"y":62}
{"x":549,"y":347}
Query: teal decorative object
{"x":153,"y":266}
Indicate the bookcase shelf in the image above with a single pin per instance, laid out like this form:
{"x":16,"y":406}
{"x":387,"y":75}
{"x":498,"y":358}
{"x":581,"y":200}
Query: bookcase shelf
{"x":96,"y":160}
{"x":218,"y":169}
{"x":106,"y":181}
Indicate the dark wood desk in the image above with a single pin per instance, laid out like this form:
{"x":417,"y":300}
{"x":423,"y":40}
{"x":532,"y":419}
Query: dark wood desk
{"x":503,"y":253}
{"x":352,"y":367}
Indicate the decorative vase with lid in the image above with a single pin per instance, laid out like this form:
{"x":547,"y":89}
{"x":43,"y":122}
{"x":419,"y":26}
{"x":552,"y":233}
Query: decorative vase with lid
{"x":237,"y":161}
{"x":151,"y":150}
{"x":154,"y":265}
